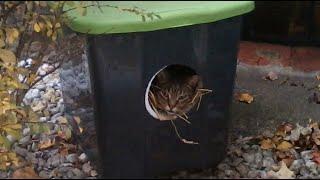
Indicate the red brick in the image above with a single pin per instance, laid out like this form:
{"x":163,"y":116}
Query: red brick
{"x":264,"y":54}
{"x":306,"y":58}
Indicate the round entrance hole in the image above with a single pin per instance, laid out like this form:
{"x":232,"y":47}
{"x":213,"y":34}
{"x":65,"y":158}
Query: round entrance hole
{"x":172,"y":92}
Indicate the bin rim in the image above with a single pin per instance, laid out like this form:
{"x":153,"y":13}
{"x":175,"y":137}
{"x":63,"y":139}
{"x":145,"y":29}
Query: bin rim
{"x":173,"y":14}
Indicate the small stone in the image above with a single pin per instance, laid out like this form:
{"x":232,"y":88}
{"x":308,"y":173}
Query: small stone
{"x":268,"y":162}
{"x":29,"y":61}
{"x":306,"y":131}
{"x":25,"y":140}
{"x":306,"y":155}
{"x":248,"y":157}
{"x":228,"y":172}
{"x":21,"y":151}
{"x":26,"y":131}
{"x":243,"y":170}
{"x":44,"y":174}
{"x":262,"y":174}
{"x":33,"y":93}
{"x":41,"y":162}
{"x":77,"y":172}
{"x":236,"y":162}
{"x":304,"y":171}
{"x":267,"y":153}
{"x":41,"y":72}
{"x":11,"y":138}
{"x":296,"y":165}
{"x":67,"y":165}
{"x":267,"y":134}
{"x":253,"y":174}
{"x":40,"y":87}
{"x":43,"y":119}
{"x":55,"y":117}
{"x":83,"y":158}
{"x":55,"y":161}
{"x":69,"y":174}
{"x":271,"y":76}
{"x":34,"y":147}
{"x":258,"y":158}
{"x":86,"y":168}
{"x":295,"y":154}
{"x":31,"y":157}
{"x":72,"y":158}
{"x":22,"y":63}
{"x":93,"y":173}
{"x":223,"y":166}
{"x":312,"y":166}
{"x":295,"y":134}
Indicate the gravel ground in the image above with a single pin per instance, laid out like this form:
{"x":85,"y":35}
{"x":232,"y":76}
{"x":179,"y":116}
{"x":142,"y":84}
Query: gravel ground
{"x":49,"y":157}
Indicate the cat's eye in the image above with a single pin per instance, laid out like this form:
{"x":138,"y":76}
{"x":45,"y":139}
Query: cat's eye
{"x":164,"y":94}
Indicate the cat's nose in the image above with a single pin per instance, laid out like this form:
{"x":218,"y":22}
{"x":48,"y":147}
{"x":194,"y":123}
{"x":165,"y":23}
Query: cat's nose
{"x":167,"y":108}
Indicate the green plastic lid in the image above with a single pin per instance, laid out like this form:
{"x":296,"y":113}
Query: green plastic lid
{"x":172,"y":14}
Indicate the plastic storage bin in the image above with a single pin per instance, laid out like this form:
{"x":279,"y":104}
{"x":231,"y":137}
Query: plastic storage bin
{"x":124,"y":55}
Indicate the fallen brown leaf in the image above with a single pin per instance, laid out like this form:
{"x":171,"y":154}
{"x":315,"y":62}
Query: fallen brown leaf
{"x":316,"y":157}
{"x":245,"y":97}
{"x":46,"y":144}
{"x":25,"y":173}
{"x":281,"y":155}
{"x":271,"y":76}
{"x":276,"y":139}
{"x":318,"y":77}
{"x":316,"y":136}
{"x":77,"y":119}
{"x":284,"y":146}
{"x":267,"y":144}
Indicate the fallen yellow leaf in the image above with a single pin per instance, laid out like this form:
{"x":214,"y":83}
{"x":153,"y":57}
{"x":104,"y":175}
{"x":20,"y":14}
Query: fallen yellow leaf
{"x":267,"y":144}
{"x":36,"y":27}
{"x":284,"y":146}
{"x":245,"y":97}
{"x":284,"y":172}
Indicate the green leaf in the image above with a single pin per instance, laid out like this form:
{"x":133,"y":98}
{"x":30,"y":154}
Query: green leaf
{"x":44,"y":128}
{"x":2,"y":44}
{"x":4,"y":143}
{"x":37,"y":128}
{"x":70,"y":3}
{"x":16,"y":133}
{"x":7,"y":56}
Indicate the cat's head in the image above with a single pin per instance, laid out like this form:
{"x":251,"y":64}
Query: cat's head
{"x":176,"y":96}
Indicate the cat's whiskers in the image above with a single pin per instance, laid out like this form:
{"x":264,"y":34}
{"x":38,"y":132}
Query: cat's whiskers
{"x":185,"y":115}
{"x":183,"y":119}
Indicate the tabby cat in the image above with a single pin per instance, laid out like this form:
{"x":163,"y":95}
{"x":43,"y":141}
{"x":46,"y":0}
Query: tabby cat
{"x":174,"y":91}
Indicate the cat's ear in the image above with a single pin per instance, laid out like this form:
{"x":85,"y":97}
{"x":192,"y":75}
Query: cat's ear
{"x":194,"y":81}
{"x":162,"y":77}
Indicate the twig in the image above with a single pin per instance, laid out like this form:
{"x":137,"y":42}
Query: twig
{"x":185,"y":115}
{"x":182,"y":139}
{"x":199,"y":102}
{"x":183,"y":118}
{"x":41,"y":77}
{"x":194,"y":97}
